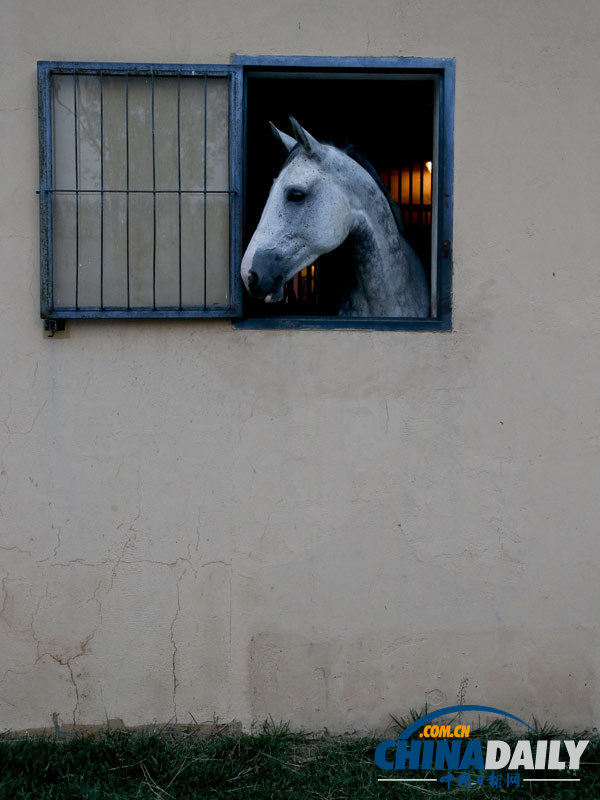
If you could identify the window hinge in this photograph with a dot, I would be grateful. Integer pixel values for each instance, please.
(53, 325)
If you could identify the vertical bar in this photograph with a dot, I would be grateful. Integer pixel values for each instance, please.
(205, 195)
(394, 185)
(179, 173)
(127, 179)
(237, 182)
(101, 191)
(76, 193)
(421, 209)
(435, 201)
(45, 138)
(153, 205)
(446, 186)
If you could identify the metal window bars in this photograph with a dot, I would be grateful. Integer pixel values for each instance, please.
(113, 137)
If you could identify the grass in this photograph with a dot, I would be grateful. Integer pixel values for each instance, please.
(272, 763)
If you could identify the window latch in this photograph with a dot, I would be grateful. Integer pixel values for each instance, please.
(53, 325)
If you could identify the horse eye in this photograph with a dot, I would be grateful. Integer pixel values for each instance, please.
(295, 195)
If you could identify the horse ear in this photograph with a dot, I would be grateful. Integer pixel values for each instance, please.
(287, 141)
(308, 142)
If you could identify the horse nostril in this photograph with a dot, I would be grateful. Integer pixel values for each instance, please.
(252, 279)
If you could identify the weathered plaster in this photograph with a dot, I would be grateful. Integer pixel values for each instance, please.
(323, 527)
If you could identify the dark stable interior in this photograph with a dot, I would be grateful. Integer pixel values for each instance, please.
(390, 122)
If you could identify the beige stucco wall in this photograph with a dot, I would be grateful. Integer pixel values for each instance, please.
(325, 527)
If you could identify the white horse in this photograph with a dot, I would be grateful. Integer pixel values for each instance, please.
(321, 199)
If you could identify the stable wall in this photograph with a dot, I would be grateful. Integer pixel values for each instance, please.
(323, 527)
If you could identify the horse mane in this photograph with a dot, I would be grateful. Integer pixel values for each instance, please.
(355, 155)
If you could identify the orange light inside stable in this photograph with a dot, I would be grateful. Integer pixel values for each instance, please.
(304, 282)
(411, 187)
(427, 187)
(394, 185)
(405, 194)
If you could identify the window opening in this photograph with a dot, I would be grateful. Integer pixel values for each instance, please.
(389, 121)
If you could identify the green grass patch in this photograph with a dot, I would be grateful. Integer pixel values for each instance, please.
(273, 763)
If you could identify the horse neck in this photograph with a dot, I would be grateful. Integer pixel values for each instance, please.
(389, 279)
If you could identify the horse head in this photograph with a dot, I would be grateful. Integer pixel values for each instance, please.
(307, 214)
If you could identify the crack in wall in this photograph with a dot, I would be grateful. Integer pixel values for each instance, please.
(132, 561)
(18, 549)
(56, 547)
(42, 650)
(132, 531)
(31, 427)
(67, 653)
(7, 702)
(3, 610)
(174, 644)
(9, 671)
(67, 663)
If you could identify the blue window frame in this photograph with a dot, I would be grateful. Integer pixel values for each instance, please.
(244, 69)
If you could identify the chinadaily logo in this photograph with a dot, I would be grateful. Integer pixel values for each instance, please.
(431, 743)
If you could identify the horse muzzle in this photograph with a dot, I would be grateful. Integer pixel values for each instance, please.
(264, 279)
